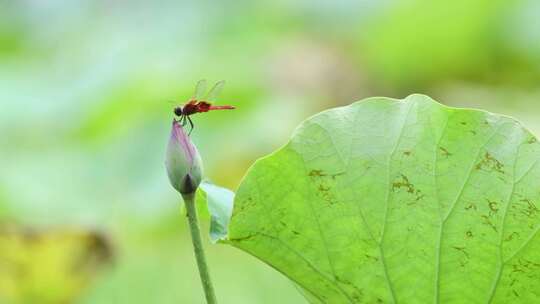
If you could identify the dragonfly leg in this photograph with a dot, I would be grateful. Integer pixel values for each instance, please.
(191, 124)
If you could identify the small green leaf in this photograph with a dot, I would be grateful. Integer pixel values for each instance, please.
(215, 203)
(387, 201)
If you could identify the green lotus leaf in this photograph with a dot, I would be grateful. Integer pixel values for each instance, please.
(407, 201)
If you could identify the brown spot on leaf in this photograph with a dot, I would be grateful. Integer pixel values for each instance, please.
(246, 204)
(316, 173)
(523, 265)
(445, 152)
(323, 188)
(404, 183)
(530, 210)
(462, 250)
(337, 174)
(374, 258)
(471, 206)
(493, 206)
(357, 293)
(324, 192)
(490, 163)
(511, 236)
(419, 196)
(487, 221)
(321, 174)
(323, 184)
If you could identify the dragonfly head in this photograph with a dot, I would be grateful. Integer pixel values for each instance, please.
(178, 111)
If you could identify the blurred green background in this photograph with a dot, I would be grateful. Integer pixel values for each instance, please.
(85, 119)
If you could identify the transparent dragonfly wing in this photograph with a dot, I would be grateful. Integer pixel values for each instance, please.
(200, 89)
(214, 92)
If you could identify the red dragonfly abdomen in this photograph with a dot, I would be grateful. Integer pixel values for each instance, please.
(204, 106)
(221, 108)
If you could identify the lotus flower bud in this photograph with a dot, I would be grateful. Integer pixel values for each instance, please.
(183, 162)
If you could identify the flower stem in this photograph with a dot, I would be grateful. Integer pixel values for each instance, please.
(189, 201)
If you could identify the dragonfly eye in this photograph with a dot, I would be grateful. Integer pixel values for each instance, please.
(178, 111)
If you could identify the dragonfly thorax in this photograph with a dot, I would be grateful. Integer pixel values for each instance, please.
(190, 108)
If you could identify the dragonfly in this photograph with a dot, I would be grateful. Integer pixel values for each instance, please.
(198, 104)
